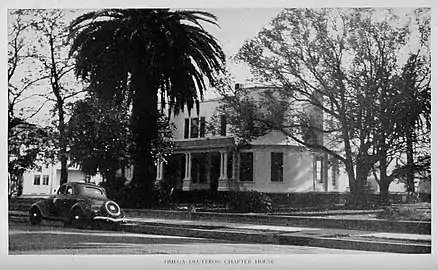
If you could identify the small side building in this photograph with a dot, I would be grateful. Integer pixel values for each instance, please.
(45, 180)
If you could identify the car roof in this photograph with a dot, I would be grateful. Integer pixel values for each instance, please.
(84, 184)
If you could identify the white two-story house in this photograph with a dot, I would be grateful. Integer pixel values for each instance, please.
(272, 163)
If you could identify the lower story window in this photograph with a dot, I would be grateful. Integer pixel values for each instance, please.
(246, 167)
(319, 170)
(276, 167)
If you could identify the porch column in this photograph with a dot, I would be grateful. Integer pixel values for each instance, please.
(159, 176)
(325, 177)
(187, 181)
(224, 182)
(334, 176)
(233, 181)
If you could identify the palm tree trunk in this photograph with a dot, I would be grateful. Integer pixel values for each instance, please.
(145, 130)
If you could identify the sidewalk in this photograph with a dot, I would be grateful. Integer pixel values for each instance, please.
(271, 234)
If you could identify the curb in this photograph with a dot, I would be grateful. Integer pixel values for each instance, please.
(276, 238)
(352, 244)
(281, 239)
(236, 236)
(413, 227)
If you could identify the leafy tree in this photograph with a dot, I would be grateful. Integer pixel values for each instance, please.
(410, 118)
(403, 114)
(42, 70)
(100, 141)
(99, 137)
(251, 112)
(332, 64)
(147, 53)
(52, 54)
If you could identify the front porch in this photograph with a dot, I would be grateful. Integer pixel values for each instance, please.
(200, 164)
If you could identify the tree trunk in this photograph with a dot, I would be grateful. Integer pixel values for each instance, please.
(384, 191)
(384, 180)
(362, 169)
(60, 106)
(410, 184)
(62, 144)
(356, 190)
(383, 166)
(145, 130)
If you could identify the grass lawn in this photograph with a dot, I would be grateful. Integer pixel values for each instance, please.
(414, 212)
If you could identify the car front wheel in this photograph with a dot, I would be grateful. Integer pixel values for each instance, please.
(35, 216)
(78, 219)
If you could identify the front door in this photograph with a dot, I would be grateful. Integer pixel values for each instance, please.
(215, 171)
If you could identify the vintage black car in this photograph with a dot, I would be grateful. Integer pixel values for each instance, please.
(77, 204)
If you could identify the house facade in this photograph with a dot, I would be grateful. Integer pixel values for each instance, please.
(45, 180)
(272, 163)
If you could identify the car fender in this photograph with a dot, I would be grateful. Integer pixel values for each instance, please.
(85, 208)
(42, 207)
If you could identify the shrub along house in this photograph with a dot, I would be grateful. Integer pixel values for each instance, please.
(272, 163)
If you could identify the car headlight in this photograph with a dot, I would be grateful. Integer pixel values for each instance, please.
(95, 208)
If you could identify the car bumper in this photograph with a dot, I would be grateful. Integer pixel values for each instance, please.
(115, 220)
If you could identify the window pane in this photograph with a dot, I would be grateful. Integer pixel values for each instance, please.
(202, 132)
(92, 192)
(319, 170)
(334, 171)
(194, 128)
(61, 190)
(223, 125)
(230, 165)
(276, 167)
(186, 128)
(246, 167)
(45, 180)
(36, 180)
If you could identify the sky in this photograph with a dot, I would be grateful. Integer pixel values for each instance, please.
(235, 26)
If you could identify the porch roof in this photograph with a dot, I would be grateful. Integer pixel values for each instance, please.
(205, 144)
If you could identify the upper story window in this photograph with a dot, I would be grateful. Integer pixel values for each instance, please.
(37, 180)
(223, 131)
(45, 180)
(194, 127)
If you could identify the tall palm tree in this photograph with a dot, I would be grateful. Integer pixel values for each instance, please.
(146, 54)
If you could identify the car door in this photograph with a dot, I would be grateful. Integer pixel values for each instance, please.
(65, 202)
(57, 202)
(72, 196)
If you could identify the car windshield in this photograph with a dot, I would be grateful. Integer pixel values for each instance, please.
(93, 192)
